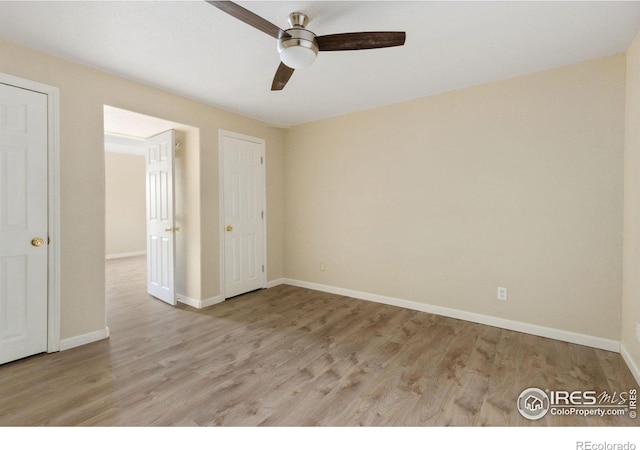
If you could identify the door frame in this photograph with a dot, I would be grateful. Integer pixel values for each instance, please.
(53, 201)
(221, 226)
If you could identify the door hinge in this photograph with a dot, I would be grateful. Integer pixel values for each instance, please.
(261, 160)
(262, 214)
(263, 267)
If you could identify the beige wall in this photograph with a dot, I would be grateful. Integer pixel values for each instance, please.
(83, 92)
(125, 194)
(441, 200)
(631, 289)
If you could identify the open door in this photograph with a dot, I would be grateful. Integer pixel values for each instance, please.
(160, 217)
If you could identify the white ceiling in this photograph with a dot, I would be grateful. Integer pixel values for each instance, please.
(196, 50)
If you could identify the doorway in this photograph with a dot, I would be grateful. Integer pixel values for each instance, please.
(127, 134)
(242, 213)
(29, 223)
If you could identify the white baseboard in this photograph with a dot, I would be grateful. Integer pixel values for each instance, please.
(83, 339)
(218, 298)
(274, 283)
(125, 255)
(631, 364)
(537, 330)
(200, 303)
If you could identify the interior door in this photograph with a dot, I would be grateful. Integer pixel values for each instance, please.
(23, 223)
(243, 198)
(160, 217)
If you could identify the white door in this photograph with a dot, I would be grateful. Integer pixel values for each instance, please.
(23, 223)
(243, 210)
(160, 217)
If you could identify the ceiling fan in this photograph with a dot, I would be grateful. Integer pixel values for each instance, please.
(298, 47)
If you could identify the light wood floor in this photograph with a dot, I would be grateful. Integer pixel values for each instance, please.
(290, 356)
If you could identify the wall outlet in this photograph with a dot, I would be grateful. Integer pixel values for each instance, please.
(502, 293)
(321, 267)
(638, 331)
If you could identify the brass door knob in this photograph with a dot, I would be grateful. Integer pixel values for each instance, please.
(168, 230)
(37, 242)
(229, 228)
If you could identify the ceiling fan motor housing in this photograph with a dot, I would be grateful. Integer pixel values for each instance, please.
(299, 49)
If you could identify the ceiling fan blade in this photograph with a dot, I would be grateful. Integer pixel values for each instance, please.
(249, 18)
(360, 40)
(283, 74)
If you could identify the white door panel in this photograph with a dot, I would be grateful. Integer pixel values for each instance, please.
(160, 217)
(23, 217)
(243, 198)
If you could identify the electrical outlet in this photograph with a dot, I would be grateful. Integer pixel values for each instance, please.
(638, 331)
(321, 267)
(502, 293)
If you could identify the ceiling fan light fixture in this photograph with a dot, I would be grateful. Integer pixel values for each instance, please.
(299, 49)
(298, 56)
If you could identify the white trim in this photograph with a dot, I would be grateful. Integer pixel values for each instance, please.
(631, 364)
(226, 133)
(125, 255)
(53, 155)
(200, 303)
(83, 339)
(265, 216)
(128, 145)
(537, 330)
(274, 283)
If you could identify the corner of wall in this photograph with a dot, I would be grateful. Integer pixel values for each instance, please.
(630, 345)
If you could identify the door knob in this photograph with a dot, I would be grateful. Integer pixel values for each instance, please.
(168, 230)
(37, 242)
(229, 228)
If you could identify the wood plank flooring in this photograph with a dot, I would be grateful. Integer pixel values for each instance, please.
(294, 357)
